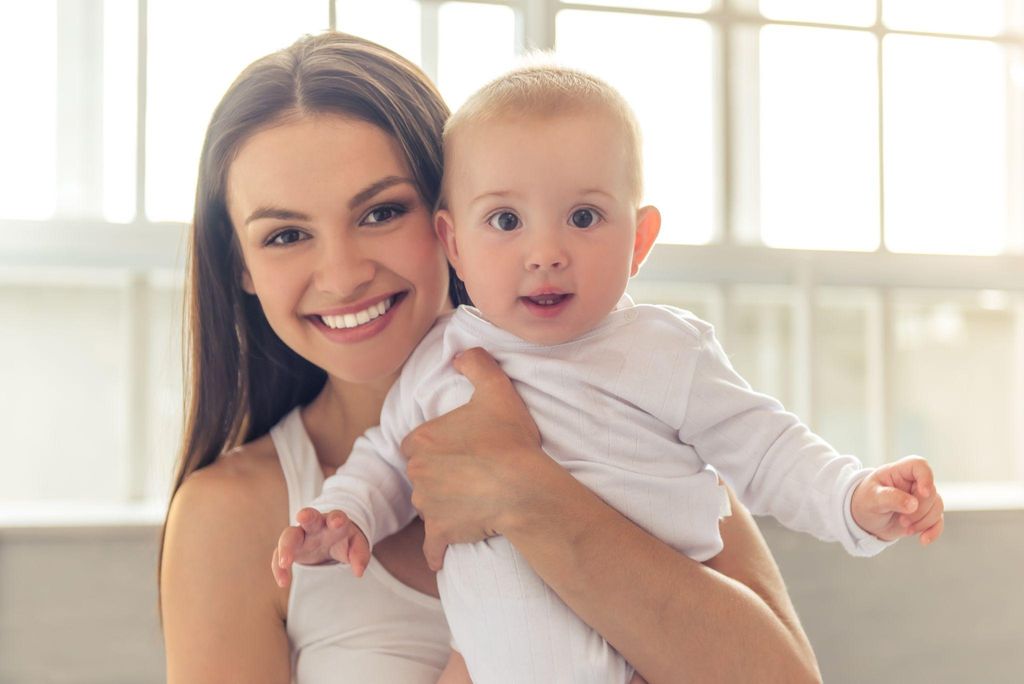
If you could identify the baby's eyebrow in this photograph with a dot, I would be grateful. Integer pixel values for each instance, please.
(377, 187)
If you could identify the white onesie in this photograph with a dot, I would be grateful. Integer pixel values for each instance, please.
(645, 410)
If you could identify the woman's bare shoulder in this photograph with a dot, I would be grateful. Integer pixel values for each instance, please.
(233, 509)
(245, 480)
(220, 534)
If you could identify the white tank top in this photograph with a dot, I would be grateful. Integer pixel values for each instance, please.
(344, 629)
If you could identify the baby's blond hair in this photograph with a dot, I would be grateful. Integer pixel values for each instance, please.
(542, 88)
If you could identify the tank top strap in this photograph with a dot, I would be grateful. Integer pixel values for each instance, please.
(302, 473)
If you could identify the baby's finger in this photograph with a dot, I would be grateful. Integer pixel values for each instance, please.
(434, 547)
(359, 555)
(336, 520)
(934, 532)
(282, 575)
(917, 469)
(288, 544)
(310, 519)
(893, 500)
(339, 550)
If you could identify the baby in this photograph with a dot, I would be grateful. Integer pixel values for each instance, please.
(540, 217)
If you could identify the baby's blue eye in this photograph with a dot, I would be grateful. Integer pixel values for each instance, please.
(504, 220)
(584, 218)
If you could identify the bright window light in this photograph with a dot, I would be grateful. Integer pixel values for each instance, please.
(673, 104)
(819, 139)
(196, 49)
(475, 44)
(852, 12)
(28, 118)
(667, 5)
(945, 145)
(120, 104)
(395, 24)
(977, 17)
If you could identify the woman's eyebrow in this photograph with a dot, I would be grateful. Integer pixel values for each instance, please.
(275, 213)
(379, 186)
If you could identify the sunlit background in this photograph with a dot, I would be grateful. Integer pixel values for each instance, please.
(841, 182)
(841, 195)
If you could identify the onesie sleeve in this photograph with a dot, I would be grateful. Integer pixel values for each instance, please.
(372, 487)
(776, 465)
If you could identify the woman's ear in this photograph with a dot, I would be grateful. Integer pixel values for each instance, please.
(444, 226)
(648, 224)
(247, 285)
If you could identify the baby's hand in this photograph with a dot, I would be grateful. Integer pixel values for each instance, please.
(319, 538)
(899, 499)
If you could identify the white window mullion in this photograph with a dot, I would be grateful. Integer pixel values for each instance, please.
(136, 356)
(1018, 396)
(876, 404)
(879, 32)
(430, 27)
(80, 108)
(803, 351)
(537, 19)
(140, 106)
(887, 366)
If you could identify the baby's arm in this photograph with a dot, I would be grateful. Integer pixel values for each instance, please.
(320, 538)
(899, 499)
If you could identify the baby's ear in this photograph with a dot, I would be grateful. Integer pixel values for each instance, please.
(648, 224)
(444, 226)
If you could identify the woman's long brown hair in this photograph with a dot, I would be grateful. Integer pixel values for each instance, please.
(241, 378)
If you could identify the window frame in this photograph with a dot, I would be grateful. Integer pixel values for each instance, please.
(142, 252)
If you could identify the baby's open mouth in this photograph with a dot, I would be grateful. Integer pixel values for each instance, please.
(548, 299)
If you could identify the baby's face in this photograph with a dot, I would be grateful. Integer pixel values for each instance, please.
(542, 221)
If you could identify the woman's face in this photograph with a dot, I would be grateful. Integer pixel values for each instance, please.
(337, 244)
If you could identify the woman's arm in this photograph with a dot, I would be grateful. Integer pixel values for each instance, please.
(222, 615)
(674, 619)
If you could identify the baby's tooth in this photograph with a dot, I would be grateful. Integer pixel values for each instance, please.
(382, 306)
(362, 317)
(350, 320)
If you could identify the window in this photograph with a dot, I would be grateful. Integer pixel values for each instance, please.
(840, 181)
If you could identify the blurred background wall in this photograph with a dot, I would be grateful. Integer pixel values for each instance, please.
(841, 191)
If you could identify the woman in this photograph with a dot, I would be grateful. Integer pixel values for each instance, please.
(313, 273)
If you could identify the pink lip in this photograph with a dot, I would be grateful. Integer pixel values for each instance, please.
(546, 291)
(550, 311)
(354, 308)
(362, 332)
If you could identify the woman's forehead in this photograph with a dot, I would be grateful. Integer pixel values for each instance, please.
(301, 157)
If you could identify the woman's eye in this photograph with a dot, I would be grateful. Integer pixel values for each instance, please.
(383, 214)
(584, 218)
(504, 221)
(285, 237)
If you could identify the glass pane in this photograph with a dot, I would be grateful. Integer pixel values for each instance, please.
(760, 344)
(853, 12)
(164, 410)
(476, 43)
(120, 107)
(28, 118)
(841, 376)
(63, 403)
(666, 5)
(819, 139)
(186, 84)
(394, 24)
(979, 17)
(953, 388)
(945, 145)
(668, 83)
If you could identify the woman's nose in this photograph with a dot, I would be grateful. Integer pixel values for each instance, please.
(344, 267)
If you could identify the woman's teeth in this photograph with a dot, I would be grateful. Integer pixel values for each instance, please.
(352, 320)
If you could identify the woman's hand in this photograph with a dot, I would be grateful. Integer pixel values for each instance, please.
(472, 468)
